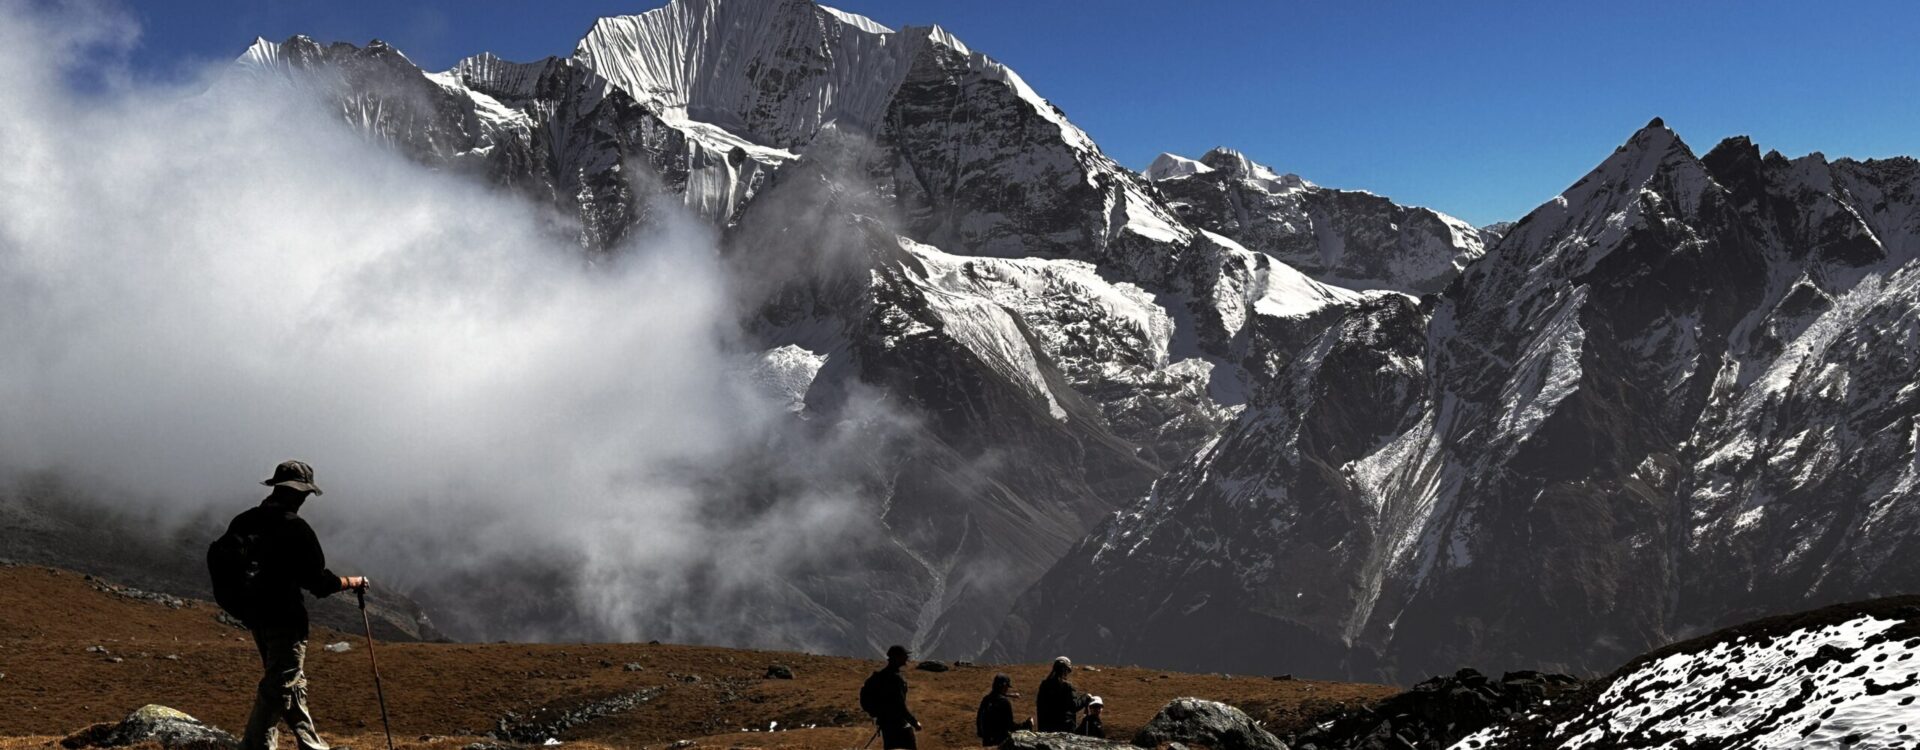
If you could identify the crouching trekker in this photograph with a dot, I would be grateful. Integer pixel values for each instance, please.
(994, 721)
(259, 567)
(884, 697)
(1057, 703)
(1091, 725)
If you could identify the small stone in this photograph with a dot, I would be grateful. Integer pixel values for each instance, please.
(634, 666)
(339, 648)
(115, 659)
(96, 649)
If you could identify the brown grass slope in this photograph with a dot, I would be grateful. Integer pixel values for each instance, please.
(443, 695)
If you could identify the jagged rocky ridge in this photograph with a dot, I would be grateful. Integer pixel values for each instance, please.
(1679, 394)
(1681, 379)
(1347, 237)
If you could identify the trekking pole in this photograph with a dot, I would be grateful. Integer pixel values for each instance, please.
(361, 594)
(876, 733)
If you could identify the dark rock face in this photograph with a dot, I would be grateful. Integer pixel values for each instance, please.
(157, 724)
(1193, 721)
(1436, 713)
(1678, 394)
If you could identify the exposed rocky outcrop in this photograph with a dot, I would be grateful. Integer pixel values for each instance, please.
(1025, 740)
(1205, 723)
(1436, 713)
(158, 724)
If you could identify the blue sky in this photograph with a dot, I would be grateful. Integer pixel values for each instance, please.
(1480, 109)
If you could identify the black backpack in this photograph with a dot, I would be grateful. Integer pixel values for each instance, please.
(869, 696)
(234, 563)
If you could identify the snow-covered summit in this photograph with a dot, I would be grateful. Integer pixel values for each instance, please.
(1168, 166)
(771, 72)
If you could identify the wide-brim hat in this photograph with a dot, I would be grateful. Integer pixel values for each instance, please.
(293, 475)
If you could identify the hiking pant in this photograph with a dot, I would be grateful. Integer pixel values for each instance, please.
(897, 738)
(283, 691)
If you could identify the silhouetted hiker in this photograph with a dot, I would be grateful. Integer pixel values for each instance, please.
(259, 567)
(884, 697)
(994, 721)
(1056, 703)
(1091, 725)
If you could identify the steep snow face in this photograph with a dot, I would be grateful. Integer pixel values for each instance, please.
(772, 72)
(1346, 238)
(768, 71)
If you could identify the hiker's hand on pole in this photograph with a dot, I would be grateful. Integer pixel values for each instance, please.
(356, 583)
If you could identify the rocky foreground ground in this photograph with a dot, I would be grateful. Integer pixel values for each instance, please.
(87, 663)
(77, 651)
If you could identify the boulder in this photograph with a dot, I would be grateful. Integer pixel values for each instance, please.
(779, 672)
(1026, 740)
(932, 666)
(1193, 721)
(167, 727)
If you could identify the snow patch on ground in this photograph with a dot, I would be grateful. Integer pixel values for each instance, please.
(1841, 685)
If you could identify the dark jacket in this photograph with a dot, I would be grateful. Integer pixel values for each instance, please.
(1091, 727)
(290, 560)
(889, 698)
(994, 722)
(1055, 704)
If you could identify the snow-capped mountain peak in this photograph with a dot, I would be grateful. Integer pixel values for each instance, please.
(1168, 166)
(1237, 164)
(1347, 238)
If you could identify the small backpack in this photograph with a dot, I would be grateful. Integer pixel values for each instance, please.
(233, 561)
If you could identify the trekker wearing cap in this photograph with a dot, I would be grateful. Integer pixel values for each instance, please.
(994, 721)
(1091, 726)
(288, 558)
(884, 697)
(1056, 704)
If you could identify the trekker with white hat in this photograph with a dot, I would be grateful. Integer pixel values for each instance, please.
(1091, 725)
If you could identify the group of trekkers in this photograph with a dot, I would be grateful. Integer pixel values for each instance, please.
(1057, 706)
(269, 554)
